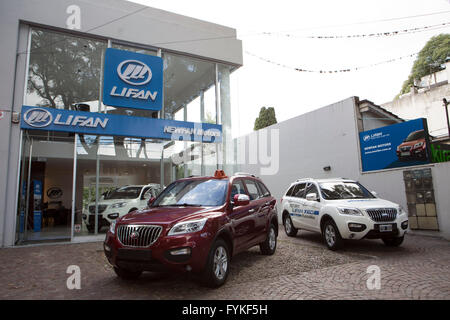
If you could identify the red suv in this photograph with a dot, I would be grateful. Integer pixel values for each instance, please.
(196, 224)
(413, 147)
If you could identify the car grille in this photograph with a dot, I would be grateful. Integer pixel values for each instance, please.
(138, 236)
(383, 214)
(101, 208)
(406, 148)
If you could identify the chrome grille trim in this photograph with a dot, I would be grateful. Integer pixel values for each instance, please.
(148, 234)
(382, 214)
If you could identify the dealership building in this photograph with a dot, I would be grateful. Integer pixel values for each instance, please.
(101, 95)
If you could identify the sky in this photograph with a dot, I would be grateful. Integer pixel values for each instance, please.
(292, 93)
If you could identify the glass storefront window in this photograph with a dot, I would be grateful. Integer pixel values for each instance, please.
(128, 174)
(45, 200)
(185, 80)
(64, 71)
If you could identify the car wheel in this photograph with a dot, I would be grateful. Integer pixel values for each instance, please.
(289, 228)
(127, 274)
(269, 245)
(218, 265)
(331, 235)
(393, 242)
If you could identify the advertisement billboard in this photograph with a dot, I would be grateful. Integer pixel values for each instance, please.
(398, 145)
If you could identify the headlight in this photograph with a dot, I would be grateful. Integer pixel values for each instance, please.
(350, 211)
(187, 227)
(119, 205)
(418, 145)
(112, 227)
(401, 210)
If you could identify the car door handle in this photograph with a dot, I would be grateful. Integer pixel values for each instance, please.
(251, 211)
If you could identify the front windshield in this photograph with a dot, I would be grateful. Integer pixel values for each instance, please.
(202, 193)
(123, 193)
(344, 190)
(416, 135)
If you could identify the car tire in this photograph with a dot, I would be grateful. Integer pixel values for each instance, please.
(127, 274)
(289, 228)
(269, 245)
(393, 242)
(331, 235)
(218, 265)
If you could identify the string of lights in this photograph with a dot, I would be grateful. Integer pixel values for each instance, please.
(367, 35)
(249, 34)
(329, 71)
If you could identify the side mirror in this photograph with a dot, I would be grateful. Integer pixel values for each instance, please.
(311, 197)
(241, 200)
(150, 201)
(374, 194)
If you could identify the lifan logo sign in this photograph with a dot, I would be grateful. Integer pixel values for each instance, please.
(93, 123)
(132, 80)
(43, 118)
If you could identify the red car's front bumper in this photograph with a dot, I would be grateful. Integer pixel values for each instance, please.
(158, 257)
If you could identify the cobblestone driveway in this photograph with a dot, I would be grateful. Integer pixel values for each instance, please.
(302, 268)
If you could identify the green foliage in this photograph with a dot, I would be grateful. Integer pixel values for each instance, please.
(209, 118)
(266, 118)
(429, 60)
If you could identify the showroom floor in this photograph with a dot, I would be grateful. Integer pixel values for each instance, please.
(302, 268)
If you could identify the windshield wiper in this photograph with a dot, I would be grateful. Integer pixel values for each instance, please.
(179, 205)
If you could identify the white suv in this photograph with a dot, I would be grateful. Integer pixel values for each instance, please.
(119, 202)
(341, 209)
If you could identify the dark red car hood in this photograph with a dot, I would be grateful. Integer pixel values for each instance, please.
(163, 215)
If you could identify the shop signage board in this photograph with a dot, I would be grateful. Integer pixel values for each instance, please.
(37, 205)
(398, 145)
(40, 118)
(132, 80)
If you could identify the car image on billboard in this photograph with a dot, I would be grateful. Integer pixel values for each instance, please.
(413, 147)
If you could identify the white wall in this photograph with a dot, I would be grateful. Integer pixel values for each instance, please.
(310, 142)
(427, 103)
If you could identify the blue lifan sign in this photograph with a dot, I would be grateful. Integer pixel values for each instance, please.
(40, 118)
(398, 145)
(132, 80)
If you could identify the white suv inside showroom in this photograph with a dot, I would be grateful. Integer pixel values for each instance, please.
(118, 202)
(341, 209)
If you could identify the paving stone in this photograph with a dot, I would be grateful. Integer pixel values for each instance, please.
(302, 268)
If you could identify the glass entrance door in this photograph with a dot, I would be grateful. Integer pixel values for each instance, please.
(46, 186)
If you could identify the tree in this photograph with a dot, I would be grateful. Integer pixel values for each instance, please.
(430, 60)
(266, 118)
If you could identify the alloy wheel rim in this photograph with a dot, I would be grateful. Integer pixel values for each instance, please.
(220, 262)
(330, 235)
(272, 239)
(287, 225)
